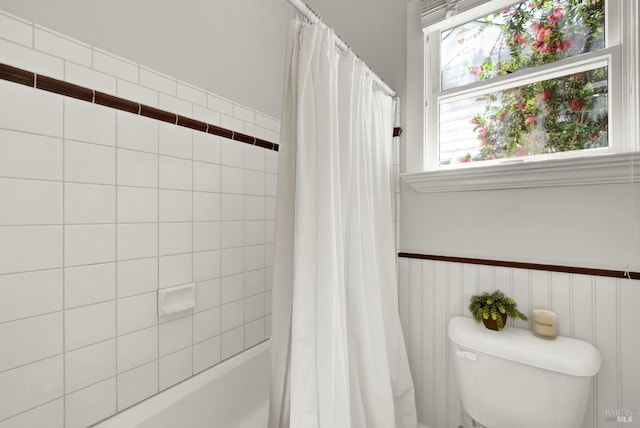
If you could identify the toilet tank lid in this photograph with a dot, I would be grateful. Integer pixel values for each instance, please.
(563, 355)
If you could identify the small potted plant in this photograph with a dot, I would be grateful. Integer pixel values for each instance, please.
(492, 309)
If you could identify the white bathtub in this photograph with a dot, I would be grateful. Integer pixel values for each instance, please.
(233, 394)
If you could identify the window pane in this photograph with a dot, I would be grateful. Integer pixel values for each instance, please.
(525, 35)
(550, 116)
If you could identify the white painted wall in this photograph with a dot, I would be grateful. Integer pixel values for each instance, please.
(234, 48)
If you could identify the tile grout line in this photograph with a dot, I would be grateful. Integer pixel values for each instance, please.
(64, 262)
(116, 258)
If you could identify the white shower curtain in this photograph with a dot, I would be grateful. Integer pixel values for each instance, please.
(338, 354)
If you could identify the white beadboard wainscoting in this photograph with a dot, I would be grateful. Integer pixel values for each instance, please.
(603, 311)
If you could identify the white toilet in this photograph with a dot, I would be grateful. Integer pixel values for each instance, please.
(513, 379)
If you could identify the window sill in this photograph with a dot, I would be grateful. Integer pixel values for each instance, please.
(603, 169)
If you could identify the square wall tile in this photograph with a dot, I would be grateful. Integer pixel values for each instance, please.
(206, 265)
(21, 104)
(206, 147)
(254, 208)
(232, 342)
(232, 315)
(176, 141)
(90, 405)
(254, 233)
(254, 157)
(232, 261)
(137, 132)
(90, 123)
(270, 208)
(137, 277)
(175, 270)
(253, 307)
(176, 367)
(254, 182)
(137, 240)
(89, 365)
(27, 294)
(254, 282)
(52, 412)
(87, 244)
(269, 231)
(137, 384)
(231, 288)
(175, 173)
(232, 207)
(206, 236)
(254, 257)
(137, 348)
(137, 169)
(137, 312)
(137, 205)
(89, 324)
(175, 335)
(29, 386)
(30, 340)
(175, 238)
(89, 203)
(175, 205)
(232, 153)
(271, 161)
(86, 285)
(26, 202)
(207, 294)
(206, 324)
(206, 354)
(232, 234)
(232, 180)
(270, 184)
(30, 156)
(206, 206)
(30, 248)
(206, 177)
(254, 333)
(89, 163)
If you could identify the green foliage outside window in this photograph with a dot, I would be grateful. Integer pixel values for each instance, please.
(562, 114)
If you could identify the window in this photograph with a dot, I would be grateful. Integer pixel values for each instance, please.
(538, 80)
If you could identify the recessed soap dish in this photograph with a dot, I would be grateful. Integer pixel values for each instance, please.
(176, 299)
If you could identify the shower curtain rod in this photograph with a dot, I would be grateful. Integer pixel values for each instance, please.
(315, 19)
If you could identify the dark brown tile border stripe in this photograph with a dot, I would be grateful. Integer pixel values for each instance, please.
(522, 265)
(49, 84)
(397, 131)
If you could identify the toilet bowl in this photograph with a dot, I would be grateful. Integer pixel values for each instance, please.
(511, 378)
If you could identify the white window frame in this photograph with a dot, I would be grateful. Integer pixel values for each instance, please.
(566, 168)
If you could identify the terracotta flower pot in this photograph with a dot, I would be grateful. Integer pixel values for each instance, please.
(491, 324)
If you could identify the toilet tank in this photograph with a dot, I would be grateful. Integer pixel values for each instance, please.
(512, 378)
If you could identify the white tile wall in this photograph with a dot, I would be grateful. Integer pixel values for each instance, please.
(102, 208)
(591, 308)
